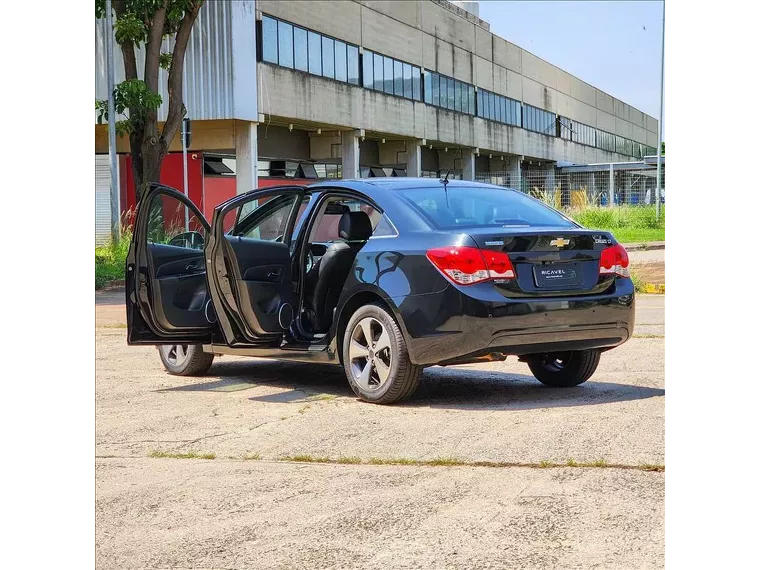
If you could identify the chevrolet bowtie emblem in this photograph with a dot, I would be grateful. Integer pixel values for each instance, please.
(559, 242)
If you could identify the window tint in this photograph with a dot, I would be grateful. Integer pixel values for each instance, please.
(171, 222)
(315, 53)
(326, 228)
(301, 49)
(264, 219)
(378, 63)
(479, 207)
(285, 43)
(328, 58)
(353, 65)
(388, 75)
(269, 39)
(341, 70)
(416, 83)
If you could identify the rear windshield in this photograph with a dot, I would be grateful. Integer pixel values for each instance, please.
(481, 207)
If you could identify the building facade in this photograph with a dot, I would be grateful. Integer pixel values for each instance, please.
(361, 88)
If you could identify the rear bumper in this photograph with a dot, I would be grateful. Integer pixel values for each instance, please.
(459, 323)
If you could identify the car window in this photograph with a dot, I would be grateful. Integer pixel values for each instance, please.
(461, 206)
(326, 228)
(265, 218)
(171, 222)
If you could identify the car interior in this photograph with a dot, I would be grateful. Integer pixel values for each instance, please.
(258, 262)
(341, 229)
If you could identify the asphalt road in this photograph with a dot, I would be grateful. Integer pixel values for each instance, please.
(232, 512)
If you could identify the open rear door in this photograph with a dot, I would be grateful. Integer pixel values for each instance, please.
(250, 267)
(168, 300)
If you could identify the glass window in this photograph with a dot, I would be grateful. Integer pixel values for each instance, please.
(471, 95)
(503, 106)
(407, 81)
(353, 65)
(450, 87)
(285, 42)
(416, 84)
(378, 62)
(388, 75)
(301, 49)
(428, 88)
(328, 57)
(492, 106)
(435, 99)
(367, 60)
(172, 222)
(315, 54)
(458, 96)
(398, 78)
(269, 39)
(480, 103)
(480, 207)
(266, 220)
(341, 70)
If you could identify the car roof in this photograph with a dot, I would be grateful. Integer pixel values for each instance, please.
(398, 183)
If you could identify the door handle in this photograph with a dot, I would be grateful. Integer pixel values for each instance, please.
(193, 267)
(275, 273)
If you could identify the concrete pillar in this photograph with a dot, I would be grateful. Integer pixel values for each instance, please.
(414, 158)
(514, 168)
(350, 153)
(246, 156)
(468, 165)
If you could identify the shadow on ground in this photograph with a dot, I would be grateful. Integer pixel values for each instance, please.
(455, 388)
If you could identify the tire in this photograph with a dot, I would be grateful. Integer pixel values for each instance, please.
(564, 369)
(185, 359)
(378, 371)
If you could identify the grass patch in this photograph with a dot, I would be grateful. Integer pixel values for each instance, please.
(190, 455)
(349, 460)
(649, 335)
(302, 409)
(113, 326)
(455, 462)
(307, 459)
(251, 457)
(111, 260)
(629, 224)
(321, 398)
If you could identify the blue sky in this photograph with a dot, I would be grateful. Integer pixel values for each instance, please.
(615, 45)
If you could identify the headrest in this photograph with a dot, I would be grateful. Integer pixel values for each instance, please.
(355, 226)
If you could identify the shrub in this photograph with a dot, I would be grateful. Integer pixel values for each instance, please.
(110, 260)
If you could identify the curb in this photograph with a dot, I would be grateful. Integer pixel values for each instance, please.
(657, 288)
(643, 246)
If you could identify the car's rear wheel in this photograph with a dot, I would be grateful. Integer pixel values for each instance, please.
(564, 369)
(376, 359)
(185, 359)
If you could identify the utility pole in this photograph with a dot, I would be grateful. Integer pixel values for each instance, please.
(662, 91)
(115, 206)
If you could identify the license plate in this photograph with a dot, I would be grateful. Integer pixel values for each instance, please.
(559, 275)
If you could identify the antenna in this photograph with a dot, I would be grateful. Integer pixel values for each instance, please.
(445, 180)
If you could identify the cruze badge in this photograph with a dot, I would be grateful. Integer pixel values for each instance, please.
(559, 242)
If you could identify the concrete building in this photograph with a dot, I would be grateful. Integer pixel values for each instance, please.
(362, 88)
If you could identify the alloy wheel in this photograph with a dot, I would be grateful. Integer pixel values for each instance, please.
(175, 354)
(370, 354)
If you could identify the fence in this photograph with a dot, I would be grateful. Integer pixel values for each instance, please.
(565, 189)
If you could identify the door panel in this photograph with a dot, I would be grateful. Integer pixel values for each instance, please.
(166, 287)
(249, 249)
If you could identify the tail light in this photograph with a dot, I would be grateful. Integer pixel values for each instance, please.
(614, 261)
(468, 265)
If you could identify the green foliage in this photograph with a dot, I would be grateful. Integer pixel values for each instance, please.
(134, 94)
(111, 260)
(662, 148)
(165, 60)
(129, 28)
(629, 224)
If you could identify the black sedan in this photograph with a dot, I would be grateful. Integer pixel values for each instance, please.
(381, 276)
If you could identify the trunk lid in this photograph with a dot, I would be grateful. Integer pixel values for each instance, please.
(548, 262)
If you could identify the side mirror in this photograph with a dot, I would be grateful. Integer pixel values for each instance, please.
(190, 240)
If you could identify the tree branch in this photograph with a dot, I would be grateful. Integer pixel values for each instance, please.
(176, 103)
(153, 48)
(127, 48)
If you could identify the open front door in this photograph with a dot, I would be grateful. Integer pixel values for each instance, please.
(250, 268)
(167, 293)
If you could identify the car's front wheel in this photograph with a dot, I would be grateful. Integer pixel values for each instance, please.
(185, 359)
(376, 359)
(564, 369)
